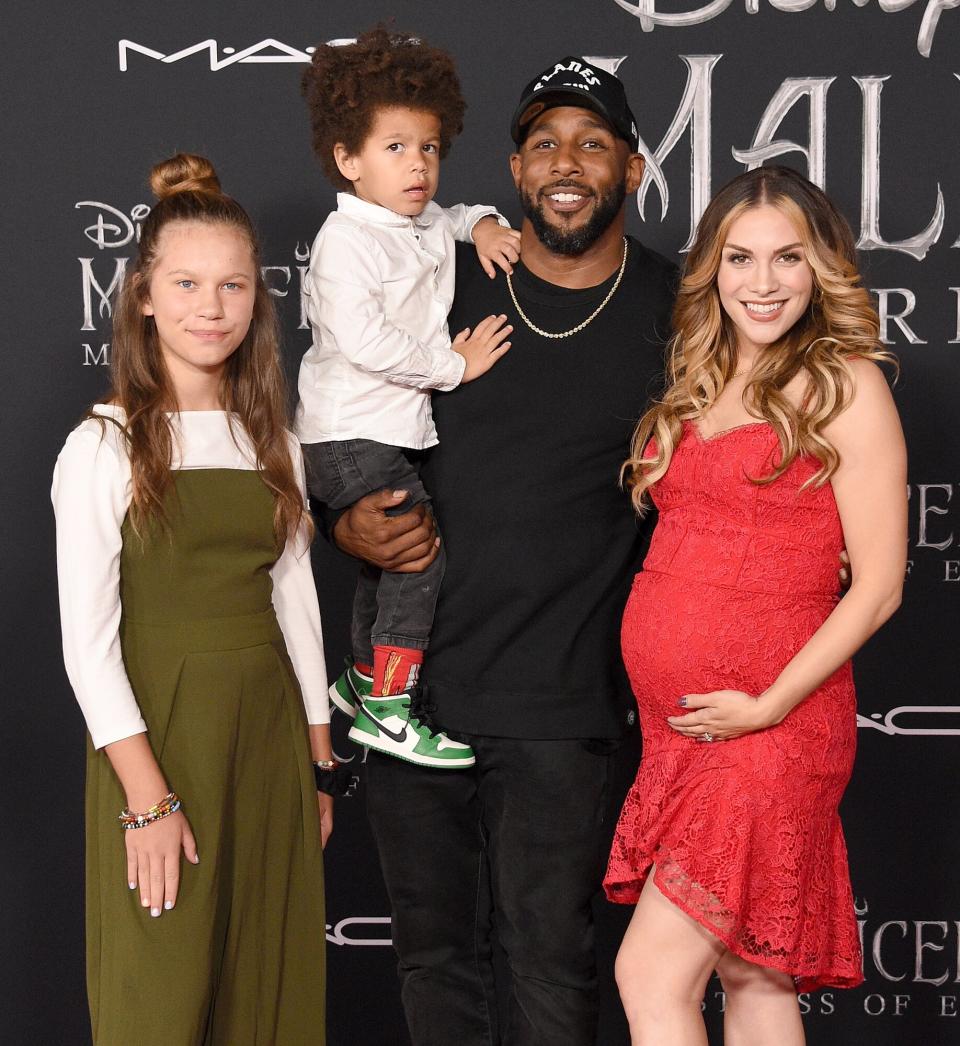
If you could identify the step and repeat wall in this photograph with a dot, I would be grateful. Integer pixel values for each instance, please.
(862, 95)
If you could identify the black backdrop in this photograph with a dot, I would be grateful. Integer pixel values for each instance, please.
(863, 95)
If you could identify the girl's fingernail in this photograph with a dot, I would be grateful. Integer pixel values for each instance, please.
(168, 905)
(132, 886)
(682, 702)
(399, 493)
(155, 912)
(145, 901)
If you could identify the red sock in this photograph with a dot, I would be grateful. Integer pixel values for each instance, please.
(363, 668)
(395, 669)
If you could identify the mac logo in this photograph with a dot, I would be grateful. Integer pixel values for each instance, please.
(264, 52)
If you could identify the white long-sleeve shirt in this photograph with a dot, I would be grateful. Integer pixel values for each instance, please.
(378, 291)
(91, 494)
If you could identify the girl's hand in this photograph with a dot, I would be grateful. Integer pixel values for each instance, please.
(326, 817)
(723, 714)
(153, 860)
(496, 245)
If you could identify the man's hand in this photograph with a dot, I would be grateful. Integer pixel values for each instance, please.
(496, 245)
(403, 544)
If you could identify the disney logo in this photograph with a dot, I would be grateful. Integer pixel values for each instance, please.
(646, 11)
(112, 227)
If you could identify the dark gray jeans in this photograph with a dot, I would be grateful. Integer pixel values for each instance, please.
(388, 609)
(520, 840)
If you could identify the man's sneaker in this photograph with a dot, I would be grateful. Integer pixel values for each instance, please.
(349, 691)
(385, 724)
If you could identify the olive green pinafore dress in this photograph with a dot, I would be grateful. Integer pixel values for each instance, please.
(240, 960)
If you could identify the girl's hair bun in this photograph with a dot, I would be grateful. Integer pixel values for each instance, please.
(184, 172)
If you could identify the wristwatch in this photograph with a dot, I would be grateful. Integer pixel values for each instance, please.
(332, 777)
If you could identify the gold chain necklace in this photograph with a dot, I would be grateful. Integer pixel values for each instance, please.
(579, 327)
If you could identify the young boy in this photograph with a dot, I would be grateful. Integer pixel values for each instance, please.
(380, 284)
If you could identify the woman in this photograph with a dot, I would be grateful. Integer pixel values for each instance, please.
(189, 615)
(776, 444)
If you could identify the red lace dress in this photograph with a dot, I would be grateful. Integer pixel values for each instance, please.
(744, 834)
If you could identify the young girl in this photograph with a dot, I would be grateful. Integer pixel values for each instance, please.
(190, 630)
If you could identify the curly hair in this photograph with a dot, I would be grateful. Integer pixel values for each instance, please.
(345, 86)
(839, 324)
(253, 386)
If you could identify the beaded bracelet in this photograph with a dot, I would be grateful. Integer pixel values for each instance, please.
(168, 805)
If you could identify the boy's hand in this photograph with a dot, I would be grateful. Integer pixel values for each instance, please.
(496, 245)
(483, 347)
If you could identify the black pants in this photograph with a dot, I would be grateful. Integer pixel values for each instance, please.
(521, 839)
(388, 609)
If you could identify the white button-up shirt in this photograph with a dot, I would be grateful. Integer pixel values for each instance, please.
(377, 292)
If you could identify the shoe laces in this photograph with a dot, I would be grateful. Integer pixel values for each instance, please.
(422, 711)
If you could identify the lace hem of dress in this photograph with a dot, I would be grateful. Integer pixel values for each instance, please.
(707, 909)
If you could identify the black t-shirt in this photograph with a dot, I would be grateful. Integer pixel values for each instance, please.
(541, 543)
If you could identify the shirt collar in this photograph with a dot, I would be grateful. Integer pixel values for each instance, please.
(353, 206)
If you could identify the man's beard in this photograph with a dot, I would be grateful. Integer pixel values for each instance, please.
(572, 242)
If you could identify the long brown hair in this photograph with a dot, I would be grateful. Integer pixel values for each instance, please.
(253, 388)
(839, 324)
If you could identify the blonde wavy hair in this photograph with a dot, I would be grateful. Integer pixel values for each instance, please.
(839, 324)
(253, 386)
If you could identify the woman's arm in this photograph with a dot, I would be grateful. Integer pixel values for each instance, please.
(298, 614)
(91, 494)
(870, 490)
(153, 852)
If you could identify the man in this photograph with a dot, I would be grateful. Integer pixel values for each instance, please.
(541, 547)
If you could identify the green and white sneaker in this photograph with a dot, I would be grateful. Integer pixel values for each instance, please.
(385, 724)
(350, 690)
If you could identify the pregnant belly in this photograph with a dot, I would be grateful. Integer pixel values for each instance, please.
(682, 637)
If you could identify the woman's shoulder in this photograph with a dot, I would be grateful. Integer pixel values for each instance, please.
(869, 414)
(863, 379)
(102, 430)
(866, 377)
(94, 458)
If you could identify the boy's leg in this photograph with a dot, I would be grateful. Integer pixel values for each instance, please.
(404, 617)
(405, 603)
(339, 474)
(387, 722)
(364, 615)
(401, 631)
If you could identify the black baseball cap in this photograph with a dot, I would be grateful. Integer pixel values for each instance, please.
(574, 81)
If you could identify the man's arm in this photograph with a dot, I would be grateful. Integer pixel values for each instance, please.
(403, 544)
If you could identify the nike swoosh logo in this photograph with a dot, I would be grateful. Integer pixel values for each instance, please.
(353, 690)
(394, 735)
